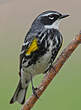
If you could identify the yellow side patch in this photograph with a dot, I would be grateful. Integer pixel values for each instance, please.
(33, 47)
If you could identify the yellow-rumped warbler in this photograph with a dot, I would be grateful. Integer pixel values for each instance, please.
(40, 48)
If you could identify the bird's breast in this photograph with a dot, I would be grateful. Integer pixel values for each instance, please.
(42, 63)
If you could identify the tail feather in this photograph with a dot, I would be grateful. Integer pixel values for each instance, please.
(19, 94)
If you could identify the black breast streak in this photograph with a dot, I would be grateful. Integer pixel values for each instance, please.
(56, 47)
(35, 56)
(42, 50)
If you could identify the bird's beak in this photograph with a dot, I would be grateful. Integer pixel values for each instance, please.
(63, 16)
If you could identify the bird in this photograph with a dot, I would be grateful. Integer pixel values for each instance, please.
(39, 50)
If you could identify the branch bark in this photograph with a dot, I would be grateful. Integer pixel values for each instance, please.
(56, 67)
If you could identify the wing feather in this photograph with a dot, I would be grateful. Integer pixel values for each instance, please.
(33, 47)
(29, 46)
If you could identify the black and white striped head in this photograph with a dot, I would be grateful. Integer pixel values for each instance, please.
(50, 19)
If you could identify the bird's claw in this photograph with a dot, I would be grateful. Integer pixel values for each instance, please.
(34, 92)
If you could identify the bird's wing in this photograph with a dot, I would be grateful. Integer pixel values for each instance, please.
(30, 45)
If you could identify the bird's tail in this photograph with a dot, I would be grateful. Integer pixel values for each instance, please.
(19, 94)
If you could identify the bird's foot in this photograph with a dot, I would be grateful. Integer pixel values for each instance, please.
(48, 69)
(34, 92)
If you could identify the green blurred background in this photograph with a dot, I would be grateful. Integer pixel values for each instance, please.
(16, 16)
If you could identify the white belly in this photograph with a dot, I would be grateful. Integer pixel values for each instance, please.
(38, 68)
(35, 69)
(40, 65)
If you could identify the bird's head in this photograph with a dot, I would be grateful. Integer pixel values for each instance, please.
(50, 19)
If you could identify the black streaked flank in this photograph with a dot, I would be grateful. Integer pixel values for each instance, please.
(49, 34)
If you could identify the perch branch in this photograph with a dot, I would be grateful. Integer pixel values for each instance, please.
(56, 67)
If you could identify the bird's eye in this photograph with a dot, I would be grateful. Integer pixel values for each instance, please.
(51, 17)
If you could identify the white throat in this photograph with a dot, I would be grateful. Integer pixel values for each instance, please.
(55, 25)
